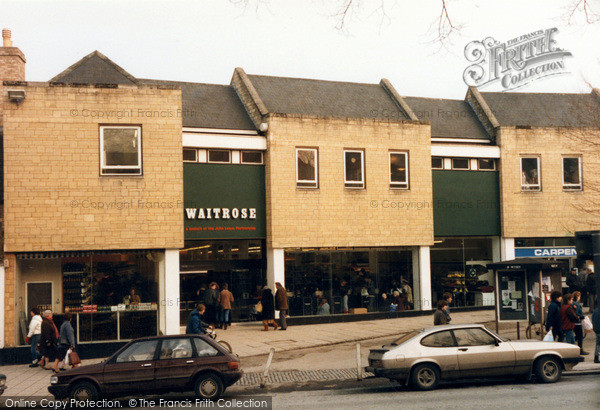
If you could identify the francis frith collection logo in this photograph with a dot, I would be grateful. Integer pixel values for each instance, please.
(515, 63)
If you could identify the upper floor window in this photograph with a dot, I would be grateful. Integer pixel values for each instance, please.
(399, 170)
(437, 162)
(190, 155)
(572, 173)
(120, 150)
(460, 163)
(354, 169)
(486, 164)
(221, 156)
(252, 157)
(307, 168)
(530, 174)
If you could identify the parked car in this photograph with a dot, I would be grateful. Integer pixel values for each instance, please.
(154, 365)
(2, 383)
(422, 358)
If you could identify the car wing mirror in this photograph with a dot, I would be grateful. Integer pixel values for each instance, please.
(496, 342)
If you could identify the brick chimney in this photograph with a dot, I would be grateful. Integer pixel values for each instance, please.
(12, 65)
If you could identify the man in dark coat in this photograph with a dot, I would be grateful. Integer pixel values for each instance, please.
(573, 281)
(195, 324)
(268, 309)
(439, 317)
(281, 304)
(553, 319)
(596, 324)
(590, 285)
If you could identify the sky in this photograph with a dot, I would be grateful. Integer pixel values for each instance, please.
(203, 41)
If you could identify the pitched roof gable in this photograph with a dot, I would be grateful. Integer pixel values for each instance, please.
(95, 68)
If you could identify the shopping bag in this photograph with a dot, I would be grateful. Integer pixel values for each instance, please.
(259, 307)
(549, 337)
(587, 325)
(74, 359)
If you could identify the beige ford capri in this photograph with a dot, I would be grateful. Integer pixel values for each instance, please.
(424, 357)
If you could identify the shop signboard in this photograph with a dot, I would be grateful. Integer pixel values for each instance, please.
(546, 252)
(224, 201)
(511, 296)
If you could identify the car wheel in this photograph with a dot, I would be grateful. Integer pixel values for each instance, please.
(548, 370)
(425, 377)
(84, 391)
(209, 386)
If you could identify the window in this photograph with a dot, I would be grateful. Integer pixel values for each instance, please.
(138, 352)
(252, 157)
(530, 174)
(354, 172)
(437, 162)
(439, 339)
(307, 168)
(486, 164)
(399, 170)
(460, 163)
(190, 155)
(473, 337)
(176, 349)
(572, 173)
(203, 349)
(121, 150)
(220, 156)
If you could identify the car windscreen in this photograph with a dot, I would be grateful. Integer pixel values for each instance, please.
(405, 337)
(502, 338)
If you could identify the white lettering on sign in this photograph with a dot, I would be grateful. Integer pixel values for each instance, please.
(555, 252)
(220, 213)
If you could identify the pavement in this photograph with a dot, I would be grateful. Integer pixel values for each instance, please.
(303, 354)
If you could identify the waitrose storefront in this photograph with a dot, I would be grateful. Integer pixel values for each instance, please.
(224, 233)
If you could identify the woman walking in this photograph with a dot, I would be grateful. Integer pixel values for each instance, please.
(568, 318)
(578, 326)
(66, 339)
(226, 299)
(49, 340)
(34, 335)
(268, 309)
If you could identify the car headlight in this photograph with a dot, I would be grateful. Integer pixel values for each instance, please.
(53, 379)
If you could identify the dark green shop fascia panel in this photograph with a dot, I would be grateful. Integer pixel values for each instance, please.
(239, 189)
(466, 203)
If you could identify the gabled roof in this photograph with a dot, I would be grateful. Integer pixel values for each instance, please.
(95, 68)
(284, 95)
(448, 118)
(209, 105)
(544, 109)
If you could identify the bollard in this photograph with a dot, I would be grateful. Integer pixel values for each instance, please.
(358, 365)
(263, 382)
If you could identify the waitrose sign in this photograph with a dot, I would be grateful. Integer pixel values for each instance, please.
(224, 201)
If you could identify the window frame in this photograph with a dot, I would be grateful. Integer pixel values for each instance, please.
(104, 169)
(486, 169)
(196, 352)
(209, 150)
(494, 339)
(355, 184)
(435, 333)
(395, 184)
(262, 157)
(441, 159)
(531, 187)
(307, 183)
(195, 152)
(120, 352)
(468, 168)
(163, 341)
(572, 187)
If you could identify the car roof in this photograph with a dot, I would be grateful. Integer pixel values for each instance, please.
(450, 327)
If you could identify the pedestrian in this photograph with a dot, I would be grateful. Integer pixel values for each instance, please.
(439, 316)
(195, 325)
(268, 309)
(590, 284)
(225, 299)
(596, 324)
(572, 281)
(345, 290)
(33, 337)
(582, 277)
(407, 290)
(323, 308)
(553, 322)
(385, 303)
(49, 340)
(281, 304)
(66, 339)
(211, 301)
(578, 326)
(201, 293)
(568, 318)
(447, 297)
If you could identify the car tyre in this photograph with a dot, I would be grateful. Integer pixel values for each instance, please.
(84, 391)
(548, 369)
(425, 377)
(209, 386)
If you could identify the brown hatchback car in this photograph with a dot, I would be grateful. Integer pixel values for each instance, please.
(151, 366)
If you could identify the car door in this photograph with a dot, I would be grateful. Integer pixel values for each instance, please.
(480, 354)
(132, 370)
(441, 347)
(175, 365)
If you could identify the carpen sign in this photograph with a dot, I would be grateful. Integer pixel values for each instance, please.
(514, 63)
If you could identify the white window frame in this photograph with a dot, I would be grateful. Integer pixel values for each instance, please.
(218, 162)
(262, 157)
(440, 158)
(396, 184)
(531, 187)
(355, 184)
(308, 183)
(191, 149)
(482, 159)
(572, 187)
(468, 168)
(106, 169)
